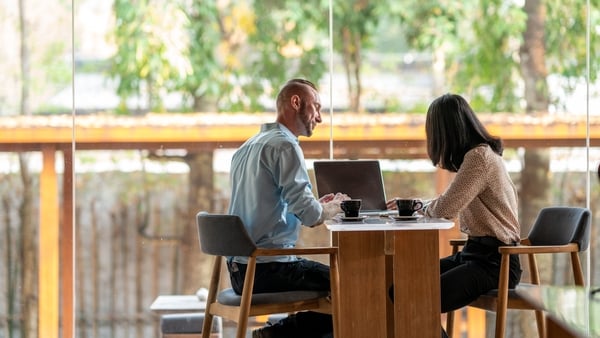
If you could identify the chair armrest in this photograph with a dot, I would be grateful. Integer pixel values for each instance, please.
(296, 251)
(538, 249)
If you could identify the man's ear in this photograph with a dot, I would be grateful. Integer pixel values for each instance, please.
(295, 101)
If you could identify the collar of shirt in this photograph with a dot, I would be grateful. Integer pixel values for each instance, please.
(276, 125)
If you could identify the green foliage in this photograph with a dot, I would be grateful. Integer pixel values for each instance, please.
(204, 76)
(356, 19)
(489, 69)
(480, 41)
(230, 58)
(141, 64)
(286, 42)
(566, 40)
(235, 54)
(57, 70)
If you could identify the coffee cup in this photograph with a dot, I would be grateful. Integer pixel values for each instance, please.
(351, 207)
(408, 206)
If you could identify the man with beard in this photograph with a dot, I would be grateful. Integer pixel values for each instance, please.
(271, 193)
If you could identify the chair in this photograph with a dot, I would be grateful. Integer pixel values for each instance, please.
(556, 230)
(188, 325)
(225, 235)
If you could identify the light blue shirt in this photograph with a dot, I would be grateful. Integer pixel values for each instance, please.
(271, 190)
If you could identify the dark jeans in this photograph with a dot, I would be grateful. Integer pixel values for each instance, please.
(289, 276)
(474, 271)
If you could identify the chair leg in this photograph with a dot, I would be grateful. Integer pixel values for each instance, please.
(207, 325)
(246, 297)
(212, 296)
(500, 322)
(450, 323)
(541, 323)
(502, 299)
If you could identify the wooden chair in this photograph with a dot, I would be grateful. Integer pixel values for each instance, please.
(225, 235)
(556, 230)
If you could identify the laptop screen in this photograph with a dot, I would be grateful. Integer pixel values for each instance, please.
(356, 178)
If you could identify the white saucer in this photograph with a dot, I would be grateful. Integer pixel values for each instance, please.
(352, 219)
(405, 218)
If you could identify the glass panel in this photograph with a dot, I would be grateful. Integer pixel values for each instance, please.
(521, 66)
(165, 91)
(35, 67)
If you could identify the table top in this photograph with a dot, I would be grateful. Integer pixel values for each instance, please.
(384, 223)
(177, 303)
(573, 307)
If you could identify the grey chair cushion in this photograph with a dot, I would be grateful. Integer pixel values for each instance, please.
(229, 297)
(187, 323)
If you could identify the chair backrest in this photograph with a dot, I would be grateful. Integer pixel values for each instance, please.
(223, 235)
(562, 225)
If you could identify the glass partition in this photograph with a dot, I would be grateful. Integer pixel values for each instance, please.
(119, 118)
(36, 67)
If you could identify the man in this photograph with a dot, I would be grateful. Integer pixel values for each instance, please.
(271, 193)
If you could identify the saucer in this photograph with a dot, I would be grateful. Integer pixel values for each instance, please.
(404, 218)
(352, 219)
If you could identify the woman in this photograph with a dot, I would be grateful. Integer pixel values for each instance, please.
(481, 197)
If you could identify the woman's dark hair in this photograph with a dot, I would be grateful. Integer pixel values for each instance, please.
(453, 129)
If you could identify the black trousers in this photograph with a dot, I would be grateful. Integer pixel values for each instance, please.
(290, 276)
(474, 271)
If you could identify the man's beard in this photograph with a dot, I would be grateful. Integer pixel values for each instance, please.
(304, 120)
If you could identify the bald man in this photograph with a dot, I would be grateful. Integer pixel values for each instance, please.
(272, 194)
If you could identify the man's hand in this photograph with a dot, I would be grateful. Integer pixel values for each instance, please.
(326, 198)
(331, 205)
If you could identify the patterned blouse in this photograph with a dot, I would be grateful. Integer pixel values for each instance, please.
(482, 196)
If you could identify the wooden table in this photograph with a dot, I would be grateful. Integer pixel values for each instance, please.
(366, 274)
(571, 311)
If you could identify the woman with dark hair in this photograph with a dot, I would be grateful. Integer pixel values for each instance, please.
(482, 198)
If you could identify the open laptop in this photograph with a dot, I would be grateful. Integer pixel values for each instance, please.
(356, 178)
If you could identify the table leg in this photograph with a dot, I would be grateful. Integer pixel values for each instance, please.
(417, 284)
(362, 284)
(555, 330)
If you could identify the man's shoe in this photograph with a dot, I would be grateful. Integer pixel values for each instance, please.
(264, 332)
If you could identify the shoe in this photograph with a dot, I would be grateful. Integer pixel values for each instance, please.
(264, 332)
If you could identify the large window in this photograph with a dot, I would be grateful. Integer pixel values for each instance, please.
(119, 118)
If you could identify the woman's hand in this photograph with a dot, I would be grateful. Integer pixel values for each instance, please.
(391, 204)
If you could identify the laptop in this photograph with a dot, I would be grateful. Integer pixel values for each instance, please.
(356, 178)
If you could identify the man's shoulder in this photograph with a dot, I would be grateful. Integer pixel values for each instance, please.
(276, 138)
(267, 142)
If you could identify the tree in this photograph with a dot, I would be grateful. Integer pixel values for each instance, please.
(354, 23)
(27, 230)
(203, 79)
(226, 57)
(141, 64)
(283, 42)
